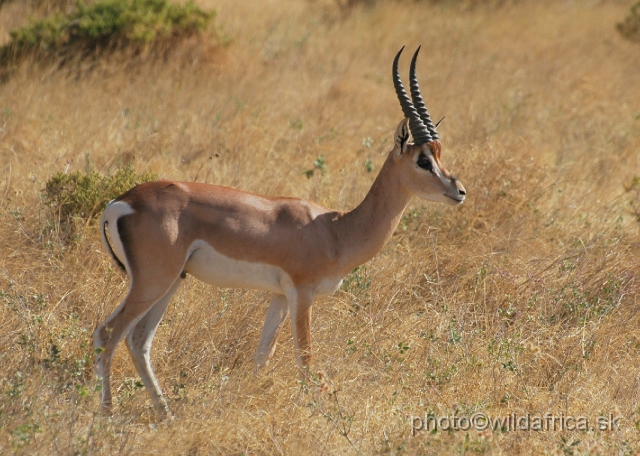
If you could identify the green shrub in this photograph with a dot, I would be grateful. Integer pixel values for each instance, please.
(107, 25)
(82, 196)
(630, 28)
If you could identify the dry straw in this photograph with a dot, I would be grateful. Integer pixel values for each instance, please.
(523, 300)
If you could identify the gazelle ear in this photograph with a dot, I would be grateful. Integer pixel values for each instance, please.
(401, 136)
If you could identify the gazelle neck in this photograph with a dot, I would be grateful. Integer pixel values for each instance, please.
(365, 230)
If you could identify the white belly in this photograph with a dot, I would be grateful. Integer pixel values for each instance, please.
(212, 267)
(328, 286)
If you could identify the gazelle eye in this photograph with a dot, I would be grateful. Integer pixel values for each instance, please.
(424, 163)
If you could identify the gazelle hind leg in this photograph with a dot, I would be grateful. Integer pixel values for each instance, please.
(139, 342)
(276, 314)
(106, 338)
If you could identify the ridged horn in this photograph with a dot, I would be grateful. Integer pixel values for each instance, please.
(418, 102)
(418, 129)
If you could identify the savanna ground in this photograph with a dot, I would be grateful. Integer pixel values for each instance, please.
(522, 300)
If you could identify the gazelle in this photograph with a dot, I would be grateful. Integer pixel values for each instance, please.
(297, 250)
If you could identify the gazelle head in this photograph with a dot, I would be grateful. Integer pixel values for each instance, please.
(424, 175)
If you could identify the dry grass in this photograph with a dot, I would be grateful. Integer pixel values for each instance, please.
(523, 300)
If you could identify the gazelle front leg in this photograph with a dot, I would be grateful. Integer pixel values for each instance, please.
(300, 309)
(276, 314)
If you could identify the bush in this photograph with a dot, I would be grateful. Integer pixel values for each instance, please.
(107, 25)
(82, 196)
(630, 28)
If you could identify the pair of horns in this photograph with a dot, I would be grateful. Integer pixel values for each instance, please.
(420, 124)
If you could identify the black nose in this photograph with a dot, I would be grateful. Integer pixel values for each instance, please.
(462, 192)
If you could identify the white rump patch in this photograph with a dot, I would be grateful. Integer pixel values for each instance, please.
(115, 210)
